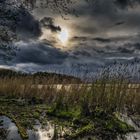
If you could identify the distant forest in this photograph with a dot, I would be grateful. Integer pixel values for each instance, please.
(40, 77)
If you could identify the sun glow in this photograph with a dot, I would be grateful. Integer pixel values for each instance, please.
(63, 36)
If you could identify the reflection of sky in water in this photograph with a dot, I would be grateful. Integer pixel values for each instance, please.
(131, 136)
(45, 133)
(37, 134)
(11, 127)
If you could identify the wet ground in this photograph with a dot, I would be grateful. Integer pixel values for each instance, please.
(38, 133)
(47, 132)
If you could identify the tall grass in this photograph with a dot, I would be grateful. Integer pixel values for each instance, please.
(107, 94)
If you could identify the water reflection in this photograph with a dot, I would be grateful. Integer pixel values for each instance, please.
(47, 132)
(11, 128)
(131, 136)
(41, 133)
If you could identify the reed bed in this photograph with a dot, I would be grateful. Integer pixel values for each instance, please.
(109, 95)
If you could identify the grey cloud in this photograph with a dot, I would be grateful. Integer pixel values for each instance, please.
(38, 53)
(119, 23)
(85, 38)
(125, 50)
(27, 26)
(125, 3)
(16, 23)
(48, 23)
(18, 19)
(105, 17)
(79, 38)
(137, 46)
(102, 48)
(83, 53)
(107, 34)
(104, 40)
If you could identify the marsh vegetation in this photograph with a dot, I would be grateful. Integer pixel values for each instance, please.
(85, 109)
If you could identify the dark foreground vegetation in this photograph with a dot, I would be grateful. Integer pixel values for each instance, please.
(86, 109)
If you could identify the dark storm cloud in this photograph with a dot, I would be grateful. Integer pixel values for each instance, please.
(85, 38)
(107, 16)
(82, 53)
(100, 9)
(104, 40)
(137, 46)
(79, 38)
(48, 23)
(108, 32)
(27, 25)
(18, 19)
(119, 23)
(38, 53)
(120, 48)
(125, 50)
(125, 3)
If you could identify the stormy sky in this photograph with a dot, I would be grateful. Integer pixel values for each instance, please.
(98, 34)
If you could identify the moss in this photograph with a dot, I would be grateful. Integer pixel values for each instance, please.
(36, 115)
(83, 131)
(69, 114)
(125, 128)
(81, 121)
(22, 132)
(118, 126)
